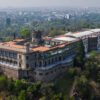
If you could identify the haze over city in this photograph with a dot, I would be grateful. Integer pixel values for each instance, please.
(49, 3)
(49, 49)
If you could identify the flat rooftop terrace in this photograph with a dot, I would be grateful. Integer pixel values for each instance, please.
(83, 33)
(15, 46)
(19, 44)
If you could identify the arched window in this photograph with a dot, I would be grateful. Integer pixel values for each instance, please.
(52, 60)
(45, 63)
(35, 64)
(49, 62)
(40, 64)
(59, 58)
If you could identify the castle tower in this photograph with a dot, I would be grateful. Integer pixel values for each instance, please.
(37, 37)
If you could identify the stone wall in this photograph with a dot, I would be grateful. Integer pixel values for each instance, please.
(9, 72)
(37, 74)
(52, 73)
(13, 73)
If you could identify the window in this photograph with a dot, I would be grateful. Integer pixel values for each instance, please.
(45, 63)
(46, 73)
(27, 57)
(27, 65)
(49, 62)
(60, 58)
(19, 56)
(14, 55)
(35, 64)
(52, 60)
(51, 71)
(40, 64)
(40, 73)
(11, 54)
(20, 65)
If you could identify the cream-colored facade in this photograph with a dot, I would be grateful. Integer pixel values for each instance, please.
(20, 59)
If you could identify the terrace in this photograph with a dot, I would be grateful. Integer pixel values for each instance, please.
(8, 64)
(67, 60)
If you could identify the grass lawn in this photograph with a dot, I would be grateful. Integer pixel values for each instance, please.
(64, 84)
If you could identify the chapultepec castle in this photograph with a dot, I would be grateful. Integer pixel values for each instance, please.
(44, 58)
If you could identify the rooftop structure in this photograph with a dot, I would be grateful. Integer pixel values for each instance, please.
(64, 38)
(95, 30)
(79, 34)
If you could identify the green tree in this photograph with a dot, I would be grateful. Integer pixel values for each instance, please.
(18, 86)
(83, 87)
(57, 97)
(22, 95)
(93, 54)
(11, 97)
(34, 90)
(10, 85)
(25, 32)
(3, 83)
(80, 54)
(48, 90)
(98, 77)
(72, 72)
(54, 32)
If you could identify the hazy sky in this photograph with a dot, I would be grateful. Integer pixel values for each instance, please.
(44, 3)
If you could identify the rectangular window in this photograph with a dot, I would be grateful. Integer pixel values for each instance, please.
(46, 73)
(27, 57)
(19, 56)
(27, 65)
(40, 73)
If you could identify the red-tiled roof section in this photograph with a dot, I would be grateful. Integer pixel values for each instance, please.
(12, 44)
(19, 40)
(44, 48)
(41, 49)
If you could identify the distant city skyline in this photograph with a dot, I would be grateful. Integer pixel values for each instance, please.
(49, 3)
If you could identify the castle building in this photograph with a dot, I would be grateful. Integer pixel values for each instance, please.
(19, 59)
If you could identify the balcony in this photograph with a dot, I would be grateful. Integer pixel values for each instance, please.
(9, 65)
(8, 58)
(67, 60)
